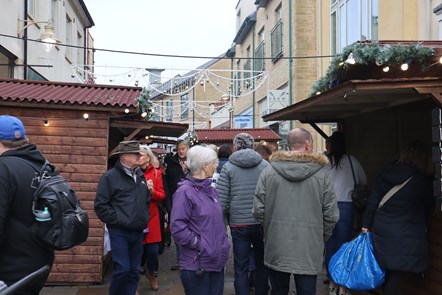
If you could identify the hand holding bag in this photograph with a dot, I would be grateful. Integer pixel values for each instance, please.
(360, 192)
(354, 265)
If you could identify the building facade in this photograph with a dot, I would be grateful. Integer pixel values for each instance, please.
(195, 98)
(62, 25)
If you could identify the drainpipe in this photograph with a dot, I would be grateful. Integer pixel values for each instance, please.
(428, 20)
(25, 41)
(253, 73)
(290, 60)
(193, 106)
(231, 95)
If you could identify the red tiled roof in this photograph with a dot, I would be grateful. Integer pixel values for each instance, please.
(223, 135)
(68, 93)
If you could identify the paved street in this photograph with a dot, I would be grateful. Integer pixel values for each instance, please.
(169, 281)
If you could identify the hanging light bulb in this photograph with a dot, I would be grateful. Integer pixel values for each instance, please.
(46, 122)
(86, 116)
(386, 69)
(404, 66)
(144, 114)
(126, 111)
(440, 60)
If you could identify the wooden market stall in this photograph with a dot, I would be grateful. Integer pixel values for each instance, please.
(380, 113)
(54, 115)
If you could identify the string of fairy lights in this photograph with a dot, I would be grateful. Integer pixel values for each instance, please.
(222, 80)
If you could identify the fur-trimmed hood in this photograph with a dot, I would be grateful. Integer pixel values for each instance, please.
(297, 166)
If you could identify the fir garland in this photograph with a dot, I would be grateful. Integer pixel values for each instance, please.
(144, 104)
(372, 54)
(191, 138)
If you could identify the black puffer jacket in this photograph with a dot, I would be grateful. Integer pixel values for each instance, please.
(121, 202)
(20, 253)
(399, 227)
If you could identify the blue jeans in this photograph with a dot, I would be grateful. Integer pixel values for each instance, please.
(127, 249)
(242, 238)
(342, 232)
(212, 283)
(280, 281)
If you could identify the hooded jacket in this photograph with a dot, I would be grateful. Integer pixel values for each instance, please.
(20, 252)
(236, 186)
(120, 202)
(197, 226)
(399, 228)
(296, 204)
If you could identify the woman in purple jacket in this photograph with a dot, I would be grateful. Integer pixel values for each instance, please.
(198, 228)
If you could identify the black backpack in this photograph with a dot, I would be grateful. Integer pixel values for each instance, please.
(60, 222)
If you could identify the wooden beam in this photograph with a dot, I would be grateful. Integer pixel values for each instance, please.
(130, 137)
(319, 130)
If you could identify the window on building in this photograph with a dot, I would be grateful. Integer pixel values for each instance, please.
(237, 83)
(79, 48)
(68, 37)
(34, 75)
(276, 37)
(247, 70)
(351, 21)
(32, 9)
(169, 110)
(155, 116)
(54, 15)
(259, 61)
(185, 106)
(7, 60)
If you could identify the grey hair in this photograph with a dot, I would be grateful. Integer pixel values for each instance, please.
(198, 156)
(145, 149)
(243, 141)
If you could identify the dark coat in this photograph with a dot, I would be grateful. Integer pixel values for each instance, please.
(20, 253)
(174, 172)
(399, 227)
(121, 202)
(221, 163)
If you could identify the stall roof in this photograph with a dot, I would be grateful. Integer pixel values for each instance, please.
(63, 93)
(76, 96)
(356, 97)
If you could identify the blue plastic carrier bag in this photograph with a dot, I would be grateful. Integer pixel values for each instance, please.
(354, 265)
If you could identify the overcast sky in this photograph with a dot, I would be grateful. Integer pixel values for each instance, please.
(173, 27)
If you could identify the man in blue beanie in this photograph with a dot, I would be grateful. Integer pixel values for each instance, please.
(20, 253)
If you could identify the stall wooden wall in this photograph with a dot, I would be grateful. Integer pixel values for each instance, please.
(78, 148)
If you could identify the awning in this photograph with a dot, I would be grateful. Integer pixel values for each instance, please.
(227, 135)
(142, 128)
(357, 97)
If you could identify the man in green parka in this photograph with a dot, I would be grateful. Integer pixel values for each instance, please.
(296, 204)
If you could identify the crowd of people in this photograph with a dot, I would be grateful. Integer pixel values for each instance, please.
(284, 210)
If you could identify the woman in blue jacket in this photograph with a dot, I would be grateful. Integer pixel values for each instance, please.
(198, 228)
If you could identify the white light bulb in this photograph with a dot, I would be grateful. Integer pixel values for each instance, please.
(86, 116)
(404, 67)
(386, 69)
